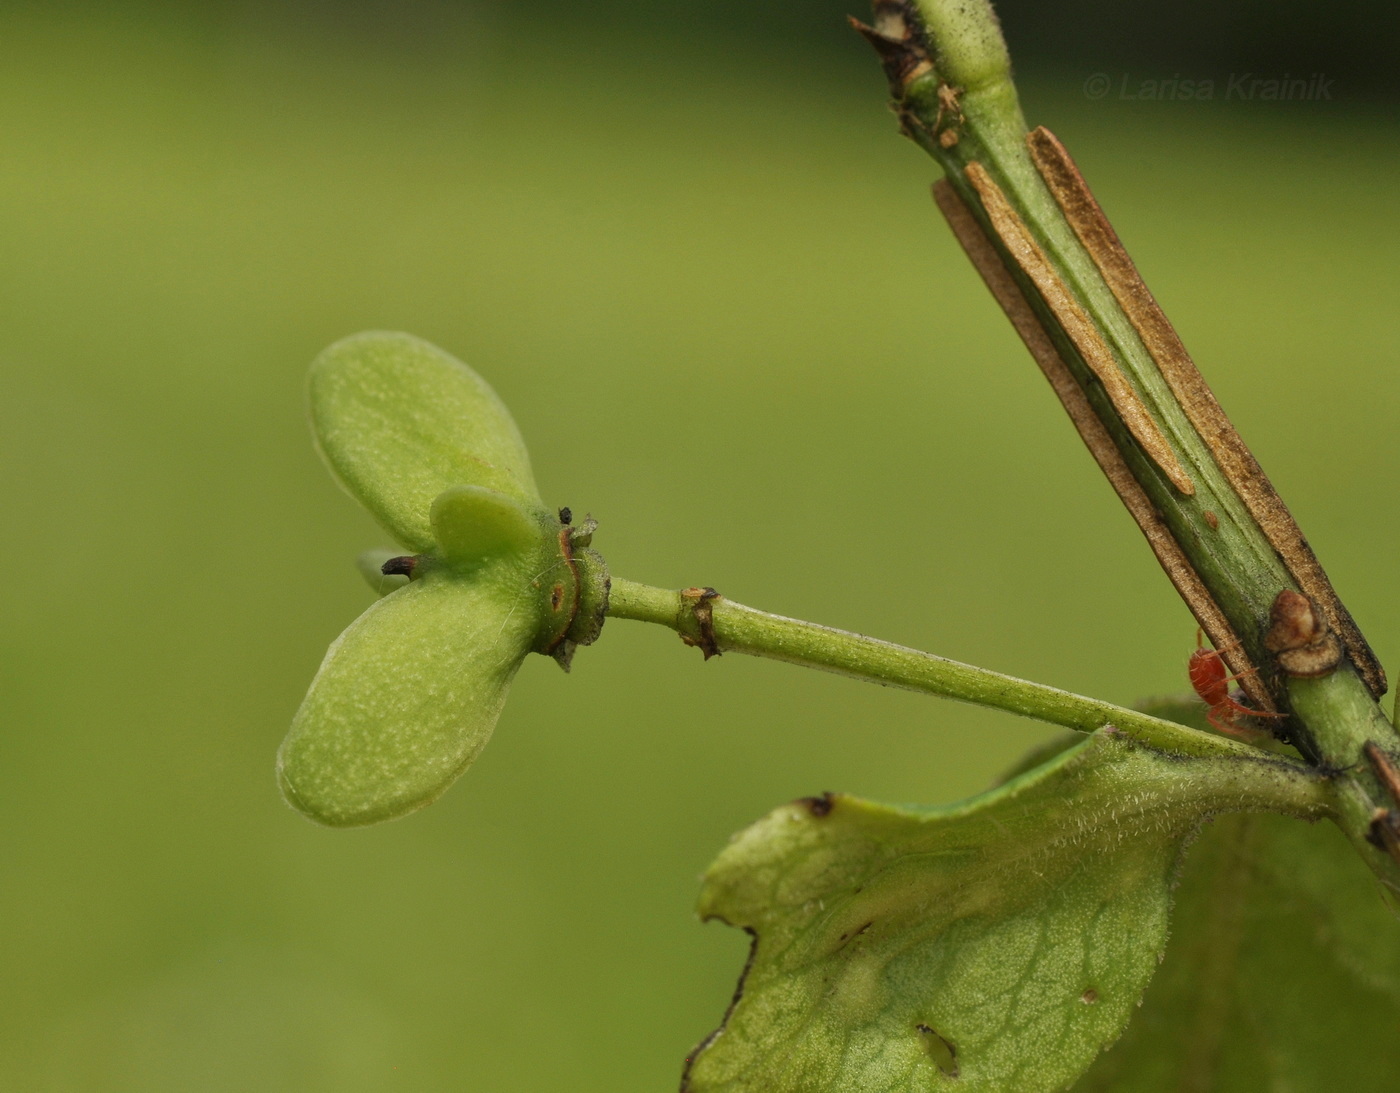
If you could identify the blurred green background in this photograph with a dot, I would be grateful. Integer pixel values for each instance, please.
(706, 275)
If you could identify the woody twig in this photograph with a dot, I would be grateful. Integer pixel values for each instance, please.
(1033, 229)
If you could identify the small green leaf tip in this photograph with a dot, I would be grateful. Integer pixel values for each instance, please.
(474, 524)
(410, 693)
(399, 421)
(996, 945)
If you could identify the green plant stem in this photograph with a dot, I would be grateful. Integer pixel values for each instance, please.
(1235, 560)
(740, 629)
(1226, 547)
(1333, 717)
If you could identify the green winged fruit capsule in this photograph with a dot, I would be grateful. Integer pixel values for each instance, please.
(398, 421)
(405, 700)
(410, 693)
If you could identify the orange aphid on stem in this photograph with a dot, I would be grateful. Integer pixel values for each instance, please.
(1211, 680)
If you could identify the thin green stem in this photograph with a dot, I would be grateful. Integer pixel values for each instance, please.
(734, 628)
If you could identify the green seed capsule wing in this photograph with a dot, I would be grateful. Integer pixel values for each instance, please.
(408, 695)
(399, 420)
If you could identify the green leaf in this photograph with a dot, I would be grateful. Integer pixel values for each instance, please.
(996, 945)
(1282, 973)
(399, 421)
(408, 696)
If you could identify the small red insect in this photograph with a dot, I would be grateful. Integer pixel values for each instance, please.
(1210, 679)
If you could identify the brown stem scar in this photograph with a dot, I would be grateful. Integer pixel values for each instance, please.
(950, 116)
(1236, 462)
(1026, 252)
(1384, 831)
(566, 548)
(1299, 637)
(897, 42)
(1385, 769)
(700, 602)
(1026, 323)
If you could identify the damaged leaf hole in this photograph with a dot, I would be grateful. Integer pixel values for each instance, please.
(940, 1050)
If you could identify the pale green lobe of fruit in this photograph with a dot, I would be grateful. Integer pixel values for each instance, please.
(399, 421)
(473, 524)
(996, 945)
(408, 695)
